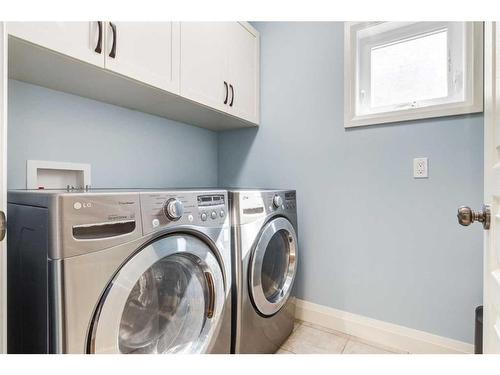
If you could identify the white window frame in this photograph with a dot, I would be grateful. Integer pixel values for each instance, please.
(472, 52)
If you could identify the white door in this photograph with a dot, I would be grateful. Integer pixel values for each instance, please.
(3, 187)
(145, 51)
(204, 52)
(491, 299)
(243, 62)
(80, 40)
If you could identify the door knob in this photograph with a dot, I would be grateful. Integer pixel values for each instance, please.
(466, 216)
(3, 225)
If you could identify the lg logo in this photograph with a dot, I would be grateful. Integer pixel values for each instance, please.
(79, 205)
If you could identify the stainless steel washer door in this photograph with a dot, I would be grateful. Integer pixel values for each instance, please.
(168, 298)
(273, 266)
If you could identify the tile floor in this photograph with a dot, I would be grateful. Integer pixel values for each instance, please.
(309, 338)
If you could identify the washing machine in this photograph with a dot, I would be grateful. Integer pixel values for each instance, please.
(265, 254)
(119, 271)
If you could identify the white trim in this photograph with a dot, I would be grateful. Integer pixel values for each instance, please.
(32, 167)
(3, 183)
(474, 86)
(252, 30)
(391, 335)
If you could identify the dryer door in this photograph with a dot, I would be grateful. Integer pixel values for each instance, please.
(168, 298)
(273, 266)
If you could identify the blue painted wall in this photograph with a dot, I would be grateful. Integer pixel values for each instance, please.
(125, 148)
(373, 240)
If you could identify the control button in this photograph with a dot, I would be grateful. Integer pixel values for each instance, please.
(173, 209)
(277, 201)
(213, 215)
(155, 223)
(222, 213)
(204, 216)
(190, 218)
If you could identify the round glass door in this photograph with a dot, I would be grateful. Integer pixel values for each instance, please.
(166, 299)
(273, 266)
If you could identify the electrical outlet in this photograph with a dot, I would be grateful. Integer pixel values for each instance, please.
(420, 168)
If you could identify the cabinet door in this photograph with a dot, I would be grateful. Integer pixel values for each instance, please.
(75, 39)
(204, 63)
(145, 51)
(243, 60)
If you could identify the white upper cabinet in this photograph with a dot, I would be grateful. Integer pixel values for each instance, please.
(201, 73)
(220, 67)
(145, 51)
(243, 71)
(204, 63)
(79, 40)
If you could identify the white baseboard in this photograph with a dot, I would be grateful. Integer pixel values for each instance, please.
(391, 335)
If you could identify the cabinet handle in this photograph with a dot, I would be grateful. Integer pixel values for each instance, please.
(113, 46)
(232, 95)
(227, 92)
(98, 47)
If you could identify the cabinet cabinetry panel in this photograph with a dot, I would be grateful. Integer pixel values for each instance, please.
(76, 39)
(145, 51)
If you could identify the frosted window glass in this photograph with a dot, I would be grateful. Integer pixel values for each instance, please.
(409, 71)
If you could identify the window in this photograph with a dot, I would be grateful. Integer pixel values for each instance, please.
(410, 71)
(396, 71)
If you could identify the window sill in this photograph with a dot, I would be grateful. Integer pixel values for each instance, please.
(448, 109)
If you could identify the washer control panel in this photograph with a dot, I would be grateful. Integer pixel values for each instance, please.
(291, 200)
(284, 201)
(173, 209)
(163, 209)
(212, 206)
(253, 205)
(277, 201)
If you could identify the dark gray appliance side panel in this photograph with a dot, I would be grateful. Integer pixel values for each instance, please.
(27, 279)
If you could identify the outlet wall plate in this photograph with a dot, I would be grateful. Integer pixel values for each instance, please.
(420, 168)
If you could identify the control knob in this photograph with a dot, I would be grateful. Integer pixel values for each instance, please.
(173, 209)
(277, 201)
